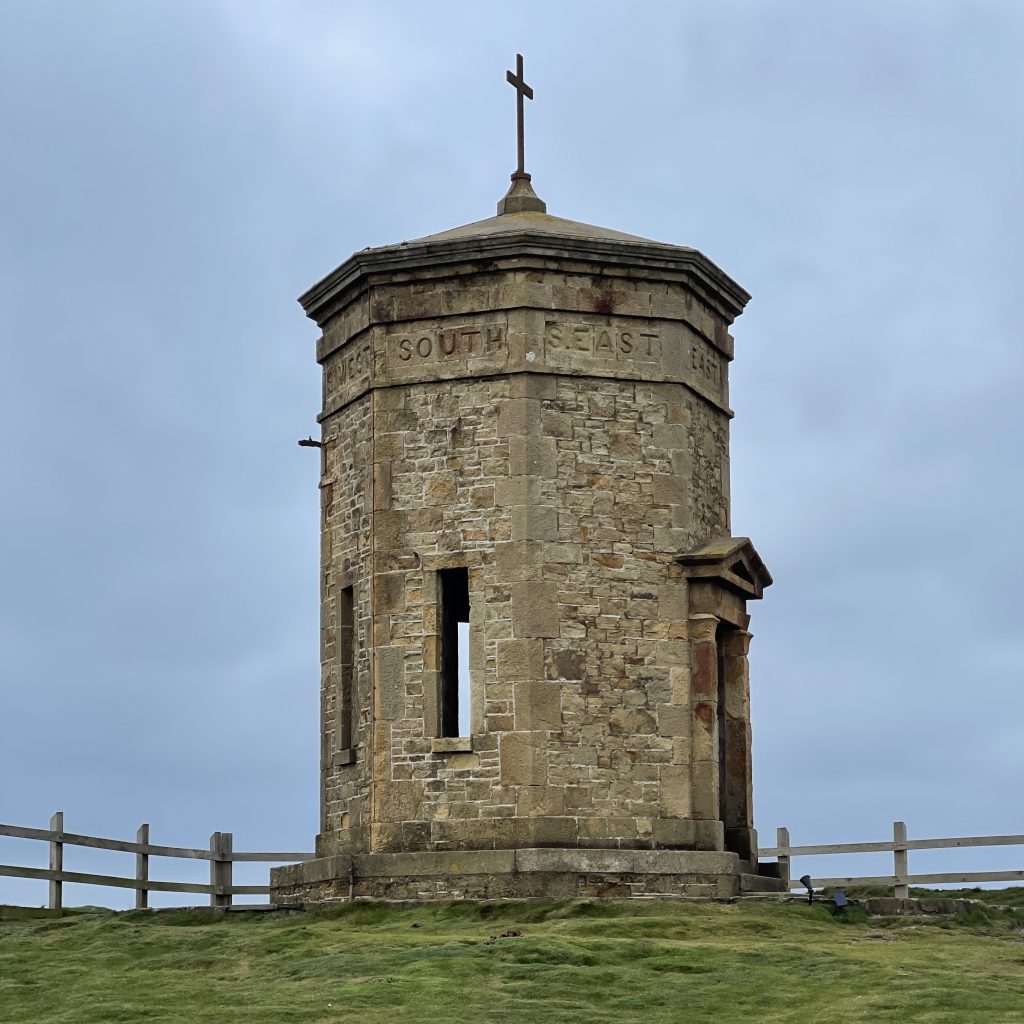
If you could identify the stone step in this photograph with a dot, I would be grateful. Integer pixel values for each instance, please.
(760, 883)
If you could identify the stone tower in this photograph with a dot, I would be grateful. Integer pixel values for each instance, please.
(526, 439)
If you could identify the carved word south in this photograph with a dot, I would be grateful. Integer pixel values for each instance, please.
(450, 343)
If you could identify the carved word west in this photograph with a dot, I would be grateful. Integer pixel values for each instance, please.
(600, 340)
(355, 363)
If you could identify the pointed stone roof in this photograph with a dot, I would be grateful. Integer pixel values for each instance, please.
(732, 561)
(536, 223)
(525, 231)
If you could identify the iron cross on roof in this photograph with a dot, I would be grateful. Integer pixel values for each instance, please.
(522, 89)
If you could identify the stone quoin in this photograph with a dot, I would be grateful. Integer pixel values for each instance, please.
(525, 482)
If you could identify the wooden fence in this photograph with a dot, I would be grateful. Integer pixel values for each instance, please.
(220, 854)
(899, 846)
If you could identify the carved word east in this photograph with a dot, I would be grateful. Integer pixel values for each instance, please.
(705, 365)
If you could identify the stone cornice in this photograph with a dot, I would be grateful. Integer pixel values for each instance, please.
(652, 260)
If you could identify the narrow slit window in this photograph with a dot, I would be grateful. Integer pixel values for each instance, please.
(453, 613)
(345, 731)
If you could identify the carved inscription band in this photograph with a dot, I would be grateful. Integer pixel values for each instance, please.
(606, 345)
(599, 340)
(450, 343)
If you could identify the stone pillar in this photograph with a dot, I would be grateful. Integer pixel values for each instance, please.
(704, 704)
(739, 832)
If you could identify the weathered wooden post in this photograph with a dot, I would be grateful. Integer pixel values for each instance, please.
(782, 842)
(56, 862)
(142, 870)
(220, 869)
(899, 860)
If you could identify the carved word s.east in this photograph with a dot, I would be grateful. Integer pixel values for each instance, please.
(600, 340)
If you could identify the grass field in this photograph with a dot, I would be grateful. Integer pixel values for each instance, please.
(589, 962)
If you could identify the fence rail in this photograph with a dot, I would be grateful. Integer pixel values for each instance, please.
(899, 846)
(220, 854)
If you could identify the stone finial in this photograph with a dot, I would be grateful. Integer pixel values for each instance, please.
(520, 198)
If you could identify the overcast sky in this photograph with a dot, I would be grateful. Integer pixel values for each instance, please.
(174, 174)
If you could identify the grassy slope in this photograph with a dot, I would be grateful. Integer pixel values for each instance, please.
(651, 962)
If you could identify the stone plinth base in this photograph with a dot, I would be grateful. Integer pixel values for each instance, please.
(514, 874)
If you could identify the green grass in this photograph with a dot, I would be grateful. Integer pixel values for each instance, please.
(578, 962)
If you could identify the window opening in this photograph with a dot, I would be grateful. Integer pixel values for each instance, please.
(723, 731)
(345, 738)
(453, 612)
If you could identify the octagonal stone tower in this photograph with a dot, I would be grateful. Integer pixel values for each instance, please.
(526, 440)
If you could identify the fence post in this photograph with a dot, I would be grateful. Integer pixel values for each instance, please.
(56, 901)
(899, 860)
(142, 870)
(782, 842)
(220, 869)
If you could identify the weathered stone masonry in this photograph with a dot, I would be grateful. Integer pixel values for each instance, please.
(545, 406)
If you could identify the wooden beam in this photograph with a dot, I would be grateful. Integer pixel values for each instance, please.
(115, 881)
(142, 869)
(899, 859)
(56, 860)
(121, 845)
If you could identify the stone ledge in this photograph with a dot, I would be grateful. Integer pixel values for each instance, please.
(505, 862)
(451, 745)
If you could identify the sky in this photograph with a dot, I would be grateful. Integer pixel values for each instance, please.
(175, 174)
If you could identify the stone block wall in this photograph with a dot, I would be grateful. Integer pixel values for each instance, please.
(566, 498)
(559, 428)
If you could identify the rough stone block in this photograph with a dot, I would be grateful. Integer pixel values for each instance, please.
(668, 436)
(520, 659)
(675, 790)
(557, 424)
(391, 681)
(563, 554)
(538, 705)
(672, 600)
(669, 489)
(534, 385)
(533, 456)
(397, 801)
(555, 832)
(518, 560)
(388, 592)
(389, 446)
(673, 720)
(703, 790)
(675, 832)
(517, 490)
(631, 722)
(566, 664)
(534, 522)
(704, 732)
(381, 485)
(390, 528)
(440, 489)
(522, 759)
(671, 539)
(532, 801)
(535, 609)
(463, 762)
(519, 416)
